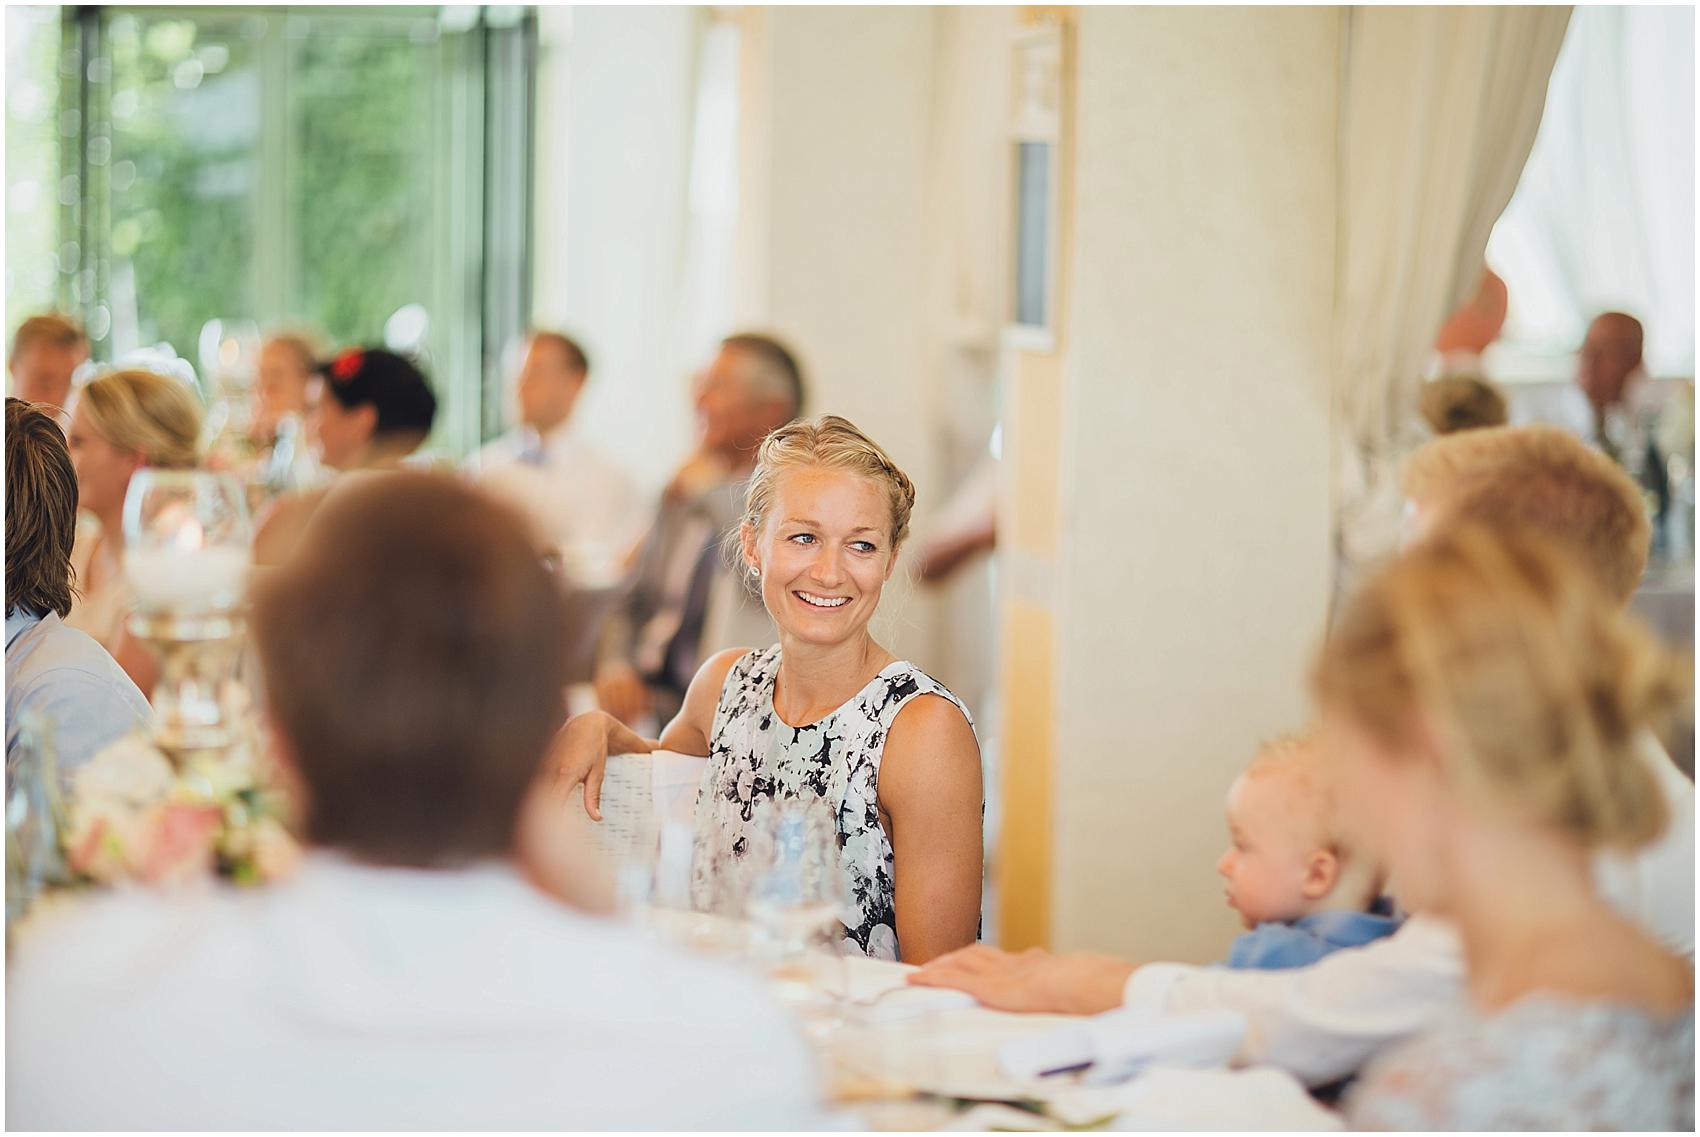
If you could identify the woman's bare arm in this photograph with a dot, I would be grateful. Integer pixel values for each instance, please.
(688, 732)
(930, 790)
(582, 748)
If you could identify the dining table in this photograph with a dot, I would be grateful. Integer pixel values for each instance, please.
(899, 1058)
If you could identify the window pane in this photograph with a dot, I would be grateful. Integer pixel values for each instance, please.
(1032, 233)
(32, 163)
(185, 113)
(363, 179)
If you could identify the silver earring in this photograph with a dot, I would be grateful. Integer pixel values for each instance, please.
(755, 573)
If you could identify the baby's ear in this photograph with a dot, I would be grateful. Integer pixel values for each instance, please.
(1322, 872)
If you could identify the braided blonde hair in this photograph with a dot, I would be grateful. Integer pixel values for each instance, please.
(156, 416)
(832, 443)
(1539, 685)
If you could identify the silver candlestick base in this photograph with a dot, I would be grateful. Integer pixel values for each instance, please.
(192, 702)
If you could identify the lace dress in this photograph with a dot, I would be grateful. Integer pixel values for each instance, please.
(754, 757)
(1545, 1063)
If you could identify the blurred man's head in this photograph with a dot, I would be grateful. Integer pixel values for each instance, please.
(41, 512)
(1610, 355)
(753, 387)
(1539, 478)
(550, 379)
(45, 353)
(413, 660)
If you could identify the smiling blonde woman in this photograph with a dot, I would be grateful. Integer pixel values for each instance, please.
(827, 714)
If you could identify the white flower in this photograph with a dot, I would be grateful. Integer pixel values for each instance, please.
(275, 852)
(882, 942)
(108, 842)
(131, 771)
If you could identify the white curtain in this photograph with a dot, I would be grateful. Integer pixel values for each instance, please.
(635, 149)
(1439, 111)
(1604, 215)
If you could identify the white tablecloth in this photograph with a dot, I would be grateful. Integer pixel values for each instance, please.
(897, 1042)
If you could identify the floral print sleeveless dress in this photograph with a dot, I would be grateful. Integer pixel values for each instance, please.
(755, 758)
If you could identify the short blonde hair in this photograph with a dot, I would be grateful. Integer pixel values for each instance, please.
(306, 346)
(1540, 478)
(1296, 761)
(53, 328)
(1461, 402)
(832, 443)
(1535, 684)
(158, 417)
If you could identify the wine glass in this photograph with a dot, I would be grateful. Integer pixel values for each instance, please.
(34, 815)
(186, 540)
(186, 555)
(796, 899)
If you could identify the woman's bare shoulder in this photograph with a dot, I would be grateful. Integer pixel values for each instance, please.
(282, 524)
(930, 745)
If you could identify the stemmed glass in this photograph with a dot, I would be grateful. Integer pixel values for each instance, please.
(186, 556)
(186, 537)
(34, 815)
(796, 899)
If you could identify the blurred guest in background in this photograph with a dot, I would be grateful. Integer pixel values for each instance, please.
(266, 444)
(284, 454)
(1615, 406)
(289, 361)
(967, 525)
(46, 352)
(1461, 402)
(683, 602)
(409, 976)
(1625, 409)
(1533, 476)
(1485, 704)
(1473, 327)
(1609, 373)
(56, 676)
(374, 408)
(582, 502)
(123, 420)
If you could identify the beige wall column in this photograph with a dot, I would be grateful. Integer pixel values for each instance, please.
(1029, 528)
(1193, 503)
(835, 121)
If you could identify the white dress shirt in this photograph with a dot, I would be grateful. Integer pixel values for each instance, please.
(355, 997)
(1322, 1022)
(62, 678)
(581, 500)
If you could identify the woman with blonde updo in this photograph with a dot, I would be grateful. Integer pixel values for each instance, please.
(827, 713)
(123, 420)
(1484, 702)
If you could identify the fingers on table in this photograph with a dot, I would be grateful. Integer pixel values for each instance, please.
(957, 967)
(593, 792)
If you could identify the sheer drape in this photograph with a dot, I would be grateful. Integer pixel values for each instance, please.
(1604, 215)
(1439, 111)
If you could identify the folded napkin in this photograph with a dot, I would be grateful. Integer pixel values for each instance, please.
(1169, 1098)
(1116, 1045)
(642, 796)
